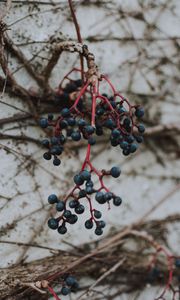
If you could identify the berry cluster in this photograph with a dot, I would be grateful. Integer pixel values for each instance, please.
(91, 115)
(72, 205)
(69, 284)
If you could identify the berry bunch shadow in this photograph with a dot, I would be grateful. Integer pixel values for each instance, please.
(91, 115)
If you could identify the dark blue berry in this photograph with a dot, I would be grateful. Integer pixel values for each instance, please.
(54, 140)
(100, 111)
(67, 214)
(52, 199)
(89, 190)
(62, 139)
(76, 136)
(177, 262)
(78, 82)
(86, 175)
(63, 124)
(108, 196)
(71, 121)
(89, 224)
(98, 231)
(60, 206)
(89, 129)
(99, 196)
(70, 87)
(117, 201)
(133, 148)
(115, 133)
(73, 203)
(53, 223)
(141, 128)
(124, 145)
(82, 193)
(139, 139)
(56, 150)
(65, 112)
(89, 183)
(80, 209)
(70, 280)
(101, 224)
(47, 155)
(121, 109)
(97, 214)
(139, 112)
(65, 291)
(109, 123)
(56, 161)
(45, 143)
(91, 140)
(72, 219)
(81, 122)
(115, 172)
(43, 123)
(62, 229)
(78, 179)
(126, 152)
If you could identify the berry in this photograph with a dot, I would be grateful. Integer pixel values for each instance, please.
(56, 150)
(60, 206)
(86, 175)
(54, 140)
(139, 139)
(67, 214)
(115, 133)
(70, 280)
(65, 291)
(81, 122)
(63, 124)
(117, 201)
(70, 87)
(62, 229)
(109, 123)
(89, 183)
(141, 128)
(115, 172)
(53, 223)
(43, 123)
(71, 121)
(108, 196)
(139, 112)
(80, 209)
(62, 139)
(97, 214)
(177, 262)
(99, 131)
(47, 155)
(100, 198)
(89, 190)
(101, 224)
(133, 148)
(78, 82)
(72, 219)
(89, 224)
(56, 161)
(78, 179)
(89, 129)
(73, 203)
(52, 199)
(98, 231)
(82, 193)
(45, 143)
(76, 136)
(124, 145)
(91, 140)
(65, 112)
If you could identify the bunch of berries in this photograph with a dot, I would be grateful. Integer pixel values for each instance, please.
(91, 115)
(69, 284)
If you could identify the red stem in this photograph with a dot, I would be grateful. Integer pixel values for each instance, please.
(53, 293)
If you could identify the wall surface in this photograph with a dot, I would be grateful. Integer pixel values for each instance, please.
(139, 52)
